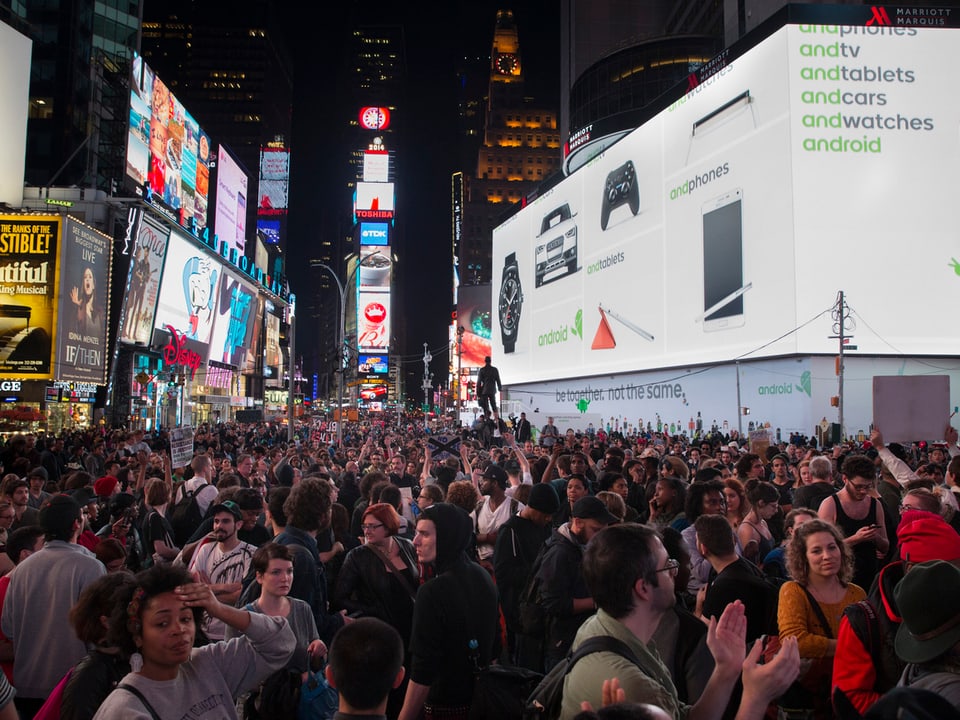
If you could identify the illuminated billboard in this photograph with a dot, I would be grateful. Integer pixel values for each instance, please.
(269, 230)
(168, 153)
(373, 321)
(373, 201)
(373, 366)
(188, 292)
(230, 220)
(143, 283)
(236, 326)
(15, 90)
(85, 289)
(29, 267)
(375, 267)
(272, 358)
(725, 226)
(376, 166)
(473, 313)
(274, 181)
(374, 233)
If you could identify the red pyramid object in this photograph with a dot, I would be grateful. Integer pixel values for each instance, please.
(603, 339)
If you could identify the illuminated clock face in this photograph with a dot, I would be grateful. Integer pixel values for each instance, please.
(506, 64)
(374, 118)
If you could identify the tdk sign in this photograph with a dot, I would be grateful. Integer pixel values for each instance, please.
(374, 233)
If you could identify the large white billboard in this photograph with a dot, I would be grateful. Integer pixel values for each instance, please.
(724, 228)
(230, 223)
(15, 90)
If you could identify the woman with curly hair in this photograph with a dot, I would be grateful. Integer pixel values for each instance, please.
(154, 622)
(811, 604)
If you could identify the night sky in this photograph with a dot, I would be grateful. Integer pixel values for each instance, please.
(438, 36)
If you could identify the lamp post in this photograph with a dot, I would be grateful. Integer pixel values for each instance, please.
(340, 333)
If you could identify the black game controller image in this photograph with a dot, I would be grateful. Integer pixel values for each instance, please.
(621, 187)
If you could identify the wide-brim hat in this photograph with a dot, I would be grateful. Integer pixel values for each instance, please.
(926, 598)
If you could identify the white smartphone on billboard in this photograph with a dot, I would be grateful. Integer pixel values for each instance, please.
(723, 286)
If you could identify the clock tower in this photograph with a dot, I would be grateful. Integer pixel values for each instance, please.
(506, 76)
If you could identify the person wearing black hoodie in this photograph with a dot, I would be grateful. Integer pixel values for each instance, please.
(456, 604)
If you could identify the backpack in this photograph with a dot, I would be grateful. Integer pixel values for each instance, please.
(277, 697)
(546, 700)
(866, 626)
(533, 617)
(185, 517)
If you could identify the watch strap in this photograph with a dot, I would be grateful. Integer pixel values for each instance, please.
(510, 259)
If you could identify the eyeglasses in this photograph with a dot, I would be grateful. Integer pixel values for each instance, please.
(370, 527)
(861, 487)
(903, 508)
(671, 567)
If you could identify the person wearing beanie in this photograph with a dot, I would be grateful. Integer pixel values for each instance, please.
(518, 543)
(862, 673)
(928, 639)
(455, 617)
(106, 486)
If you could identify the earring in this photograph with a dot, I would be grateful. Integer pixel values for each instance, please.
(136, 662)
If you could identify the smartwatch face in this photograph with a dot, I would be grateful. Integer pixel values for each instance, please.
(510, 302)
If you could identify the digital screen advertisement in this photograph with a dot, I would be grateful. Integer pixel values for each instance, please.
(167, 149)
(374, 233)
(236, 326)
(373, 201)
(473, 313)
(230, 222)
(84, 297)
(29, 252)
(274, 181)
(143, 285)
(373, 365)
(376, 166)
(725, 227)
(189, 292)
(375, 267)
(269, 231)
(272, 356)
(373, 321)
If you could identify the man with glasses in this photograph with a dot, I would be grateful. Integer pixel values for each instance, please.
(856, 510)
(630, 576)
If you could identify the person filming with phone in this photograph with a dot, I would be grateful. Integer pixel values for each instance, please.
(856, 510)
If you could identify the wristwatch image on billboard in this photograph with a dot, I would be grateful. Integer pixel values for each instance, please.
(510, 303)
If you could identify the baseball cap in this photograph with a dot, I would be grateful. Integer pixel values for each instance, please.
(228, 506)
(497, 473)
(593, 508)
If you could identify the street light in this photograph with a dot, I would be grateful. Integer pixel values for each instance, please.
(340, 333)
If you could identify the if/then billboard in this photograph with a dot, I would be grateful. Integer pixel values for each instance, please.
(85, 289)
(819, 160)
(29, 253)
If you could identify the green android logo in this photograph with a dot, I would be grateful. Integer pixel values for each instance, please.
(582, 405)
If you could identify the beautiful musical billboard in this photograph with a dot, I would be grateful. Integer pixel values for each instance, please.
(85, 289)
(29, 252)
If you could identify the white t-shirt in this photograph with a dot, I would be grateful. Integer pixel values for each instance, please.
(221, 567)
(487, 521)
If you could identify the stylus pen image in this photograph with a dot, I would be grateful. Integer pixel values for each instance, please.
(723, 303)
(626, 323)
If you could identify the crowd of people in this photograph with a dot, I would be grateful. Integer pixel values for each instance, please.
(388, 571)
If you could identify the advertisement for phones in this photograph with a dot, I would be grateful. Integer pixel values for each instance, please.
(819, 160)
(230, 221)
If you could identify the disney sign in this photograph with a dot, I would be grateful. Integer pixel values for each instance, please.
(176, 352)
